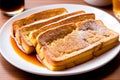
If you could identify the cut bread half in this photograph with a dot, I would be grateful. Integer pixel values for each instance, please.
(71, 44)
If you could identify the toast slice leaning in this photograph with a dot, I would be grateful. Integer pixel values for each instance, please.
(72, 44)
(37, 16)
(24, 32)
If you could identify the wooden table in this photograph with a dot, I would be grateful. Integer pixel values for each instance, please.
(111, 71)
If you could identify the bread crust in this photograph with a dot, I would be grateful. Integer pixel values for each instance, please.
(72, 49)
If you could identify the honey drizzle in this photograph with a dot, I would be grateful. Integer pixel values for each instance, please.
(30, 58)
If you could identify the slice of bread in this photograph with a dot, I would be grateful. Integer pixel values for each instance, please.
(71, 44)
(37, 16)
(41, 27)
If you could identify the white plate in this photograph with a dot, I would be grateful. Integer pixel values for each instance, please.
(9, 54)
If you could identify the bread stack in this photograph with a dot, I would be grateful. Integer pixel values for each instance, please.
(63, 40)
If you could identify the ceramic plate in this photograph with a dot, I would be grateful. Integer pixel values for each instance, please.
(12, 57)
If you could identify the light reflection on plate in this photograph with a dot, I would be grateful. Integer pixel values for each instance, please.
(9, 54)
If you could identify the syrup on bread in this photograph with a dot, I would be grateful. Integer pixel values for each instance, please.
(69, 45)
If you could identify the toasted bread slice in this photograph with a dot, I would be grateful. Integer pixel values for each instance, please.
(37, 16)
(66, 46)
(24, 32)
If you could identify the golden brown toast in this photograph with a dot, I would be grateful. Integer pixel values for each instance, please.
(37, 16)
(41, 27)
(71, 44)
